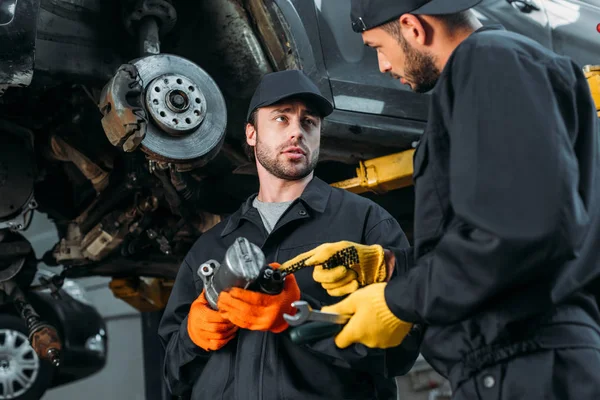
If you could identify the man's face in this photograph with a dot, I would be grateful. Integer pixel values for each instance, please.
(286, 139)
(402, 60)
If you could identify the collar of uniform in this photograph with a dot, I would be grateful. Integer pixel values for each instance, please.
(492, 27)
(315, 196)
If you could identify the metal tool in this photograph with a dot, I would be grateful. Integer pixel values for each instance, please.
(244, 267)
(305, 313)
(310, 325)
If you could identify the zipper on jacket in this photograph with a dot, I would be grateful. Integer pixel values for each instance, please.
(263, 346)
(262, 366)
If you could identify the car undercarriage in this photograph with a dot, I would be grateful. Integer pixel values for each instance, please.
(123, 121)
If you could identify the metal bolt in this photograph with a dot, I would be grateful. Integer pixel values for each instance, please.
(177, 100)
(489, 381)
(54, 356)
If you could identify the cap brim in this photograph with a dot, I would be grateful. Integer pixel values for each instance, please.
(437, 7)
(322, 105)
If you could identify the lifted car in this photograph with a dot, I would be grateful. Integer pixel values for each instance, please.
(123, 120)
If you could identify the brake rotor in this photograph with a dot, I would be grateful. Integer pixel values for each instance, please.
(186, 109)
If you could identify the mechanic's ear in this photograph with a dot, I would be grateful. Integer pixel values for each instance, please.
(250, 134)
(412, 29)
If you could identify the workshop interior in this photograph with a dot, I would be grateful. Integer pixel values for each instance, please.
(122, 121)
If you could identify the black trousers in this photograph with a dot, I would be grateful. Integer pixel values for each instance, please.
(559, 374)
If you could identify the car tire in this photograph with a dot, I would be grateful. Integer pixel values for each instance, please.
(36, 376)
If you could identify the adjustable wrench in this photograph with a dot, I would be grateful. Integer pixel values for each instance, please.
(305, 313)
(310, 325)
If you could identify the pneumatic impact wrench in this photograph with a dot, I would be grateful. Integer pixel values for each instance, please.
(244, 267)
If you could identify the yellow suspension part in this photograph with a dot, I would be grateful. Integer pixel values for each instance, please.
(592, 73)
(143, 294)
(382, 174)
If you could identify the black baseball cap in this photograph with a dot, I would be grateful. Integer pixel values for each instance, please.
(280, 85)
(368, 14)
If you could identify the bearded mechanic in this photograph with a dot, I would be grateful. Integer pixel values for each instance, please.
(241, 351)
(507, 209)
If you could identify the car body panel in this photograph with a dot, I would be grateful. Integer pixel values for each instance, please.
(299, 14)
(356, 82)
(358, 85)
(77, 322)
(574, 26)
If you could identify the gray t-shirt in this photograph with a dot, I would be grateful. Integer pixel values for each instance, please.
(270, 212)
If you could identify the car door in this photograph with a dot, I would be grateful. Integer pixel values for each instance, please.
(356, 83)
(358, 86)
(527, 17)
(576, 29)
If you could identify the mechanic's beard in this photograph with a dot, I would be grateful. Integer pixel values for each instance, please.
(419, 68)
(285, 170)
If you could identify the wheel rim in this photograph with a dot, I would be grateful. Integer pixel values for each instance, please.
(19, 364)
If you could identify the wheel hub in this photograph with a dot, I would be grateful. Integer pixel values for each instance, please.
(169, 107)
(5, 363)
(19, 365)
(176, 104)
(187, 111)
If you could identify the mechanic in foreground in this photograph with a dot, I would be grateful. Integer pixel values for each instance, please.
(242, 351)
(507, 228)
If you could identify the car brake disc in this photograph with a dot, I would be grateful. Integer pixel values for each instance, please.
(168, 107)
(186, 109)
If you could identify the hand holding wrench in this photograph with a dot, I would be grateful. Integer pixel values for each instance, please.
(312, 325)
(305, 313)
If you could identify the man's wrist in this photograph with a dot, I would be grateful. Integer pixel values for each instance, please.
(390, 262)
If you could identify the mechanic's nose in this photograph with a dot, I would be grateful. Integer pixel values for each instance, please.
(384, 64)
(297, 131)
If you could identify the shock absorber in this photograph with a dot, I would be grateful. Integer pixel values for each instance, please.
(147, 20)
(43, 337)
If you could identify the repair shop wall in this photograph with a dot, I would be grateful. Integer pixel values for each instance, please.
(123, 375)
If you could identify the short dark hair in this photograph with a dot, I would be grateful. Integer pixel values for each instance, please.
(393, 29)
(459, 20)
(249, 150)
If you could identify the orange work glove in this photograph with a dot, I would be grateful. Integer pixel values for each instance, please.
(206, 327)
(259, 311)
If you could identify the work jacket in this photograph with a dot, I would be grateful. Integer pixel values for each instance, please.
(507, 217)
(266, 366)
